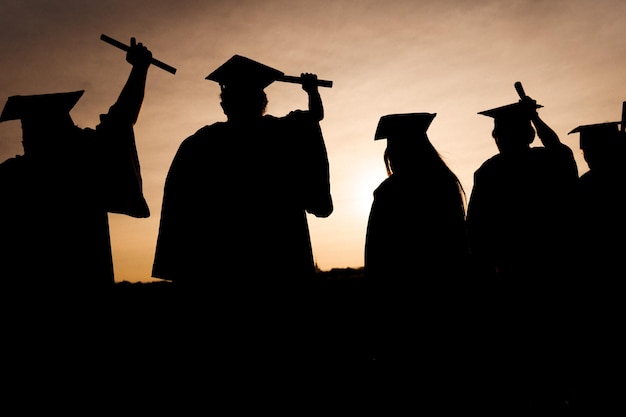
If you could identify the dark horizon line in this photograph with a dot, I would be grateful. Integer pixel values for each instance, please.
(333, 271)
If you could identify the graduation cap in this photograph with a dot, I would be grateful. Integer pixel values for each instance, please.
(403, 126)
(245, 73)
(41, 106)
(242, 72)
(601, 132)
(597, 133)
(510, 112)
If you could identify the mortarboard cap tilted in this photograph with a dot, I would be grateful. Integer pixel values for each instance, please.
(244, 73)
(596, 132)
(403, 125)
(514, 111)
(39, 106)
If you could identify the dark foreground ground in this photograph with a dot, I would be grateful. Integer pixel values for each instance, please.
(324, 320)
(466, 351)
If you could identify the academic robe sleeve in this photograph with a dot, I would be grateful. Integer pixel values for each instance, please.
(313, 165)
(121, 180)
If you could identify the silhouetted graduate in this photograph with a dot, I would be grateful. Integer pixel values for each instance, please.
(238, 192)
(519, 221)
(519, 207)
(416, 248)
(601, 216)
(416, 229)
(56, 196)
(601, 223)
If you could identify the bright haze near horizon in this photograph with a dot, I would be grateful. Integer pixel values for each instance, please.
(450, 57)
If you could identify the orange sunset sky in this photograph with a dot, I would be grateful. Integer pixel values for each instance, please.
(450, 57)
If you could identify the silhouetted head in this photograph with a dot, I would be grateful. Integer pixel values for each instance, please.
(512, 128)
(601, 144)
(243, 104)
(408, 145)
(409, 150)
(44, 117)
(242, 82)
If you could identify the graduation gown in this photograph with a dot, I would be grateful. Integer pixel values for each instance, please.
(416, 231)
(236, 200)
(602, 221)
(55, 230)
(416, 252)
(520, 212)
(520, 222)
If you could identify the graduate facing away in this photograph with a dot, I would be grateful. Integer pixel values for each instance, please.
(238, 192)
(601, 217)
(416, 247)
(57, 195)
(519, 213)
(416, 228)
(601, 223)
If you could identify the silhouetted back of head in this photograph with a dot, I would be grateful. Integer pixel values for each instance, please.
(407, 143)
(242, 82)
(600, 143)
(44, 117)
(243, 104)
(512, 126)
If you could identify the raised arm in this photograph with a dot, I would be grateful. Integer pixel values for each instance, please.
(131, 98)
(309, 84)
(122, 185)
(545, 133)
(551, 141)
(548, 137)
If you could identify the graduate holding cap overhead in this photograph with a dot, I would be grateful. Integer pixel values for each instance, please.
(57, 195)
(237, 194)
